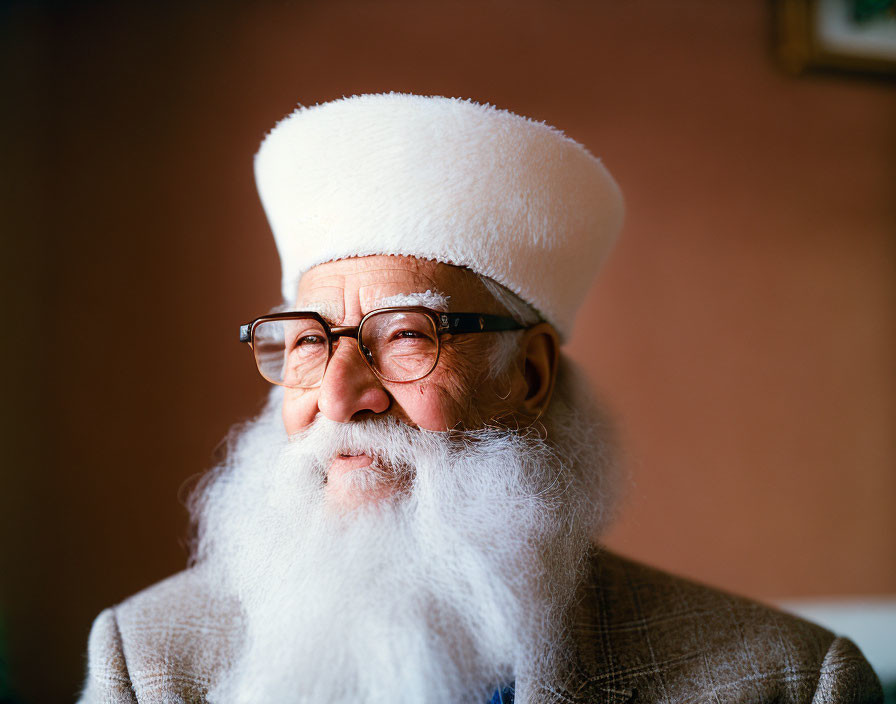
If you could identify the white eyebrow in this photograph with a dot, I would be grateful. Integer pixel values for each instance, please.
(325, 309)
(429, 299)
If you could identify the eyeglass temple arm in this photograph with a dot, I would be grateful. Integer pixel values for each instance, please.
(457, 323)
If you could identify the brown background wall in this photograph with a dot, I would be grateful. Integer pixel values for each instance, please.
(743, 330)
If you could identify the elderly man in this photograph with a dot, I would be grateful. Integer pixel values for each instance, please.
(411, 518)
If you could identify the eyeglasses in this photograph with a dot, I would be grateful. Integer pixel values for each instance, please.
(398, 344)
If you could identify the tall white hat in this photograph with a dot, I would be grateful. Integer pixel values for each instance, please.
(443, 179)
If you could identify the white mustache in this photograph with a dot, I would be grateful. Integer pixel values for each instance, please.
(388, 441)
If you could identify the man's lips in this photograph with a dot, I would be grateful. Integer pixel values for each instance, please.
(344, 463)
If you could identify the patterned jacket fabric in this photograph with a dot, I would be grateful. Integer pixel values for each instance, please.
(638, 635)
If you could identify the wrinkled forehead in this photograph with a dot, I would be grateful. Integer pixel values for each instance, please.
(354, 286)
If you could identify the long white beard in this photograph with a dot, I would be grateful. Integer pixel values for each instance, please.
(440, 594)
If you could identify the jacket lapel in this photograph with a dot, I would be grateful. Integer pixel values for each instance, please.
(589, 673)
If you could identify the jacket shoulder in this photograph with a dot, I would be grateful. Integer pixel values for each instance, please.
(168, 642)
(107, 672)
(671, 639)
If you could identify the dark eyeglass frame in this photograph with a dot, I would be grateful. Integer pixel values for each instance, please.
(443, 324)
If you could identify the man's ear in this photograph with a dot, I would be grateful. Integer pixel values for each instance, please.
(541, 350)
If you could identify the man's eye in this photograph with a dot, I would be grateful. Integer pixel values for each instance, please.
(408, 333)
(308, 340)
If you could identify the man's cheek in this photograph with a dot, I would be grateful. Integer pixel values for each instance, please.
(298, 409)
(468, 365)
(426, 404)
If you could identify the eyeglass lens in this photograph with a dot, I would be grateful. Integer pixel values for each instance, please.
(399, 346)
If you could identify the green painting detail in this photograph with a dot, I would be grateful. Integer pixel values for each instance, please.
(867, 10)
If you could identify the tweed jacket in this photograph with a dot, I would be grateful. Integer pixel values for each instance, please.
(638, 636)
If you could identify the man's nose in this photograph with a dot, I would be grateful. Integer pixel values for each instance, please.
(349, 386)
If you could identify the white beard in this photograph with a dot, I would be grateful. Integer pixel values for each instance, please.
(441, 594)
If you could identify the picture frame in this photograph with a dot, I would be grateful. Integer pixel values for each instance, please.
(852, 35)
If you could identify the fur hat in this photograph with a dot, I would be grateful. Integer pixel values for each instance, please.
(443, 179)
